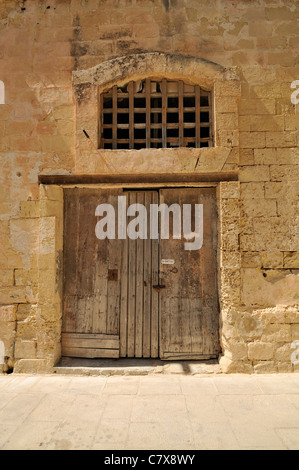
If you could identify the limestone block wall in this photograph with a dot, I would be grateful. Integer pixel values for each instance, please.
(44, 45)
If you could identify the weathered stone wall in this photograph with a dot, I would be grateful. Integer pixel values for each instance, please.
(41, 44)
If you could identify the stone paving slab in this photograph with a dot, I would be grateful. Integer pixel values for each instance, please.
(168, 412)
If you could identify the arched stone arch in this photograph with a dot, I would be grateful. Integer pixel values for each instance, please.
(156, 64)
(2, 92)
(224, 83)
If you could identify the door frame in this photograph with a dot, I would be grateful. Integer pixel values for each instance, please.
(49, 310)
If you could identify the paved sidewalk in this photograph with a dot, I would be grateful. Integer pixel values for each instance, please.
(149, 412)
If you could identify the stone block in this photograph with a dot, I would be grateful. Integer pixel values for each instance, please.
(237, 350)
(6, 277)
(49, 293)
(26, 330)
(29, 209)
(260, 351)
(51, 192)
(227, 121)
(228, 366)
(8, 313)
(227, 88)
(265, 367)
(269, 289)
(252, 140)
(230, 259)
(255, 207)
(273, 190)
(33, 366)
(265, 156)
(230, 208)
(250, 260)
(283, 354)
(226, 105)
(49, 208)
(277, 334)
(254, 173)
(50, 313)
(230, 190)
(13, 295)
(266, 123)
(271, 259)
(26, 311)
(291, 260)
(25, 349)
(254, 190)
(279, 13)
(26, 277)
(284, 367)
(227, 138)
(47, 235)
(295, 332)
(281, 139)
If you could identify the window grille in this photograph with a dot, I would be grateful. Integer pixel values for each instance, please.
(155, 114)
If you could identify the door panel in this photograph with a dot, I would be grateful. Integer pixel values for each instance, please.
(139, 332)
(189, 310)
(91, 297)
(111, 307)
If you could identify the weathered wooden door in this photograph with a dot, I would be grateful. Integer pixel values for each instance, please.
(189, 312)
(90, 324)
(122, 298)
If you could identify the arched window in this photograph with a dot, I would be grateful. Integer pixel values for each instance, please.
(155, 113)
(2, 93)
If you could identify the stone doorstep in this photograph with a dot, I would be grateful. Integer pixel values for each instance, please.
(133, 367)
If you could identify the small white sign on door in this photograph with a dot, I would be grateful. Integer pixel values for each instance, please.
(167, 261)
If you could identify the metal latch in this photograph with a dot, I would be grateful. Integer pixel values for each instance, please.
(158, 287)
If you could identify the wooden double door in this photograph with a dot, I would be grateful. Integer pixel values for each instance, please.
(146, 297)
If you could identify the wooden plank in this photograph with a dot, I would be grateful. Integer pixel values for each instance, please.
(114, 118)
(113, 263)
(181, 113)
(139, 179)
(164, 112)
(124, 295)
(69, 313)
(197, 115)
(189, 311)
(131, 114)
(211, 118)
(147, 279)
(89, 343)
(155, 294)
(131, 289)
(84, 259)
(139, 288)
(70, 230)
(148, 112)
(100, 286)
(91, 353)
(100, 300)
(101, 120)
(156, 110)
(90, 336)
(84, 314)
(93, 307)
(174, 356)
